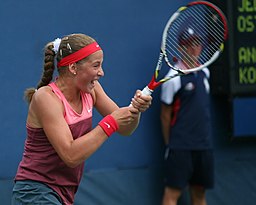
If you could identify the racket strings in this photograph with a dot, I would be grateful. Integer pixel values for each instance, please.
(211, 49)
(203, 22)
(217, 26)
(207, 52)
(214, 26)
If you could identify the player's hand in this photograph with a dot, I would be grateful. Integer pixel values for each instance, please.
(141, 102)
(125, 115)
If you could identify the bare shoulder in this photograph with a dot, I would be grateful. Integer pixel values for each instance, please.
(43, 93)
(45, 97)
(44, 104)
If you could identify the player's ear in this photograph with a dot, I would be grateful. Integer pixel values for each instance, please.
(72, 68)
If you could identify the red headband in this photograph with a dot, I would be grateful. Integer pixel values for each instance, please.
(79, 55)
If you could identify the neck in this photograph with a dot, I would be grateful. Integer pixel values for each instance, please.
(68, 90)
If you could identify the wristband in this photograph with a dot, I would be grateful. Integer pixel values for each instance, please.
(109, 125)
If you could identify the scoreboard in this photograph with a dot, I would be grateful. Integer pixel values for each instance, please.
(234, 73)
(241, 16)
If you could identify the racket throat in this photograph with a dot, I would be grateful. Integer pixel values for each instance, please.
(153, 84)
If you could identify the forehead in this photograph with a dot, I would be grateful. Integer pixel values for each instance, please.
(97, 56)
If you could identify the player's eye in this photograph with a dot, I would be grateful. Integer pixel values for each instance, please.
(96, 66)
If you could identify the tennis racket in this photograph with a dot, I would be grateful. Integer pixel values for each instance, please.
(200, 23)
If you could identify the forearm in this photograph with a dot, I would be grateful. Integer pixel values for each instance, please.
(83, 147)
(126, 130)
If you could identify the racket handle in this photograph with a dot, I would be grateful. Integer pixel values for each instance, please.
(147, 91)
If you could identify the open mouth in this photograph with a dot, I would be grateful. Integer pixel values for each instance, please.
(93, 82)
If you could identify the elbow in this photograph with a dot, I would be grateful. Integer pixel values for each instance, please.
(71, 162)
(71, 157)
(71, 165)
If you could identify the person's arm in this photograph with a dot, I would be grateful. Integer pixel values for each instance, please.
(106, 106)
(165, 117)
(46, 111)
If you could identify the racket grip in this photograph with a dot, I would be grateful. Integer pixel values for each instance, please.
(147, 91)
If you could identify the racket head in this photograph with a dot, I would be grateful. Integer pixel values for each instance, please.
(195, 34)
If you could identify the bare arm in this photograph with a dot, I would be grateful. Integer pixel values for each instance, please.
(128, 122)
(46, 111)
(165, 116)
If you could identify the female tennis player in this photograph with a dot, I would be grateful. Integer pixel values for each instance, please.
(60, 136)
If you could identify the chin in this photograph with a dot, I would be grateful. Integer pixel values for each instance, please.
(88, 90)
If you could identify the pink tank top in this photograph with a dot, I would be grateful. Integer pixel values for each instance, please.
(40, 162)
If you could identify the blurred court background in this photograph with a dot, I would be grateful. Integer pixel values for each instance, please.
(129, 170)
